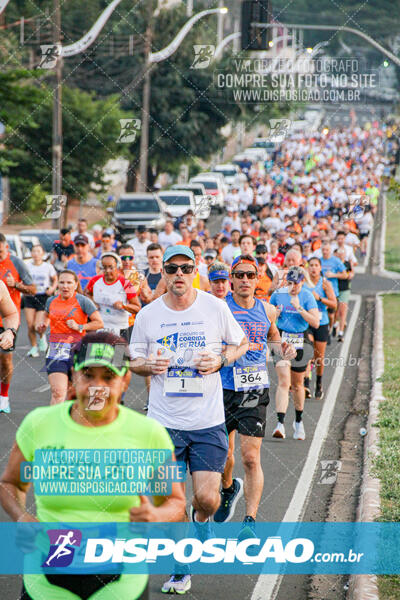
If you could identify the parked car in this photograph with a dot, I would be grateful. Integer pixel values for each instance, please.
(16, 246)
(202, 199)
(29, 241)
(264, 143)
(220, 177)
(229, 171)
(46, 238)
(256, 154)
(176, 203)
(132, 210)
(214, 187)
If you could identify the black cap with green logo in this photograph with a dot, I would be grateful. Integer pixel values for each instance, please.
(102, 349)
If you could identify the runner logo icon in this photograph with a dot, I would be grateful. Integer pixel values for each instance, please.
(62, 547)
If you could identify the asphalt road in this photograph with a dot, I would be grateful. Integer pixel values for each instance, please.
(282, 461)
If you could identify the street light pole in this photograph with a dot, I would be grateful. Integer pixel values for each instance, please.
(145, 120)
(150, 59)
(57, 110)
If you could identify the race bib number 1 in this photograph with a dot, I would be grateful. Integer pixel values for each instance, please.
(183, 382)
(297, 339)
(250, 378)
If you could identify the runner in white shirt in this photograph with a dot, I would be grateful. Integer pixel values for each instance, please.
(44, 276)
(114, 295)
(168, 237)
(179, 340)
(140, 244)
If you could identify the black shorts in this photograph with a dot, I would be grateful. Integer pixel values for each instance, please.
(246, 412)
(304, 355)
(364, 235)
(2, 329)
(331, 311)
(321, 334)
(38, 301)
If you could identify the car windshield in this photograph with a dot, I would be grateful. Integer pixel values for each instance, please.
(47, 240)
(227, 172)
(180, 200)
(197, 191)
(209, 185)
(11, 245)
(138, 205)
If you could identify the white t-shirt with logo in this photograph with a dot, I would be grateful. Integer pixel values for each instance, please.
(105, 295)
(205, 325)
(41, 275)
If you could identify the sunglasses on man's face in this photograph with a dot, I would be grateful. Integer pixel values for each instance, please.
(242, 274)
(127, 257)
(186, 269)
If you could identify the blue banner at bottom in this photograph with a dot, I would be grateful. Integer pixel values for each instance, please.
(132, 548)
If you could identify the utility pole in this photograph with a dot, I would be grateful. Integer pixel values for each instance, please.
(145, 120)
(220, 23)
(57, 110)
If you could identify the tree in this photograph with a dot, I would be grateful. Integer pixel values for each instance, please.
(91, 130)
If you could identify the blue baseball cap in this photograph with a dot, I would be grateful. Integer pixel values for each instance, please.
(178, 250)
(220, 274)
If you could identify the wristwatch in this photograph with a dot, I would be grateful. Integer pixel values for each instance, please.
(224, 361)
(80, 329)
(13, 331)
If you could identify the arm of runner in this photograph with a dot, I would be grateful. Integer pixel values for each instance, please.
(330, 301)
(10, 318)
(95, 322)
(160, 289)
(283, 349)
(311, 316)
(133, 306)
(209, 363)
(53, 284)
(12, 490)
(43, 323)
(26, 285)
(145, 294)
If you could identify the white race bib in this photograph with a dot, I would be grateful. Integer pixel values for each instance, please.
(184, 382)
(59, 351)
(297, 339)
(250, 377)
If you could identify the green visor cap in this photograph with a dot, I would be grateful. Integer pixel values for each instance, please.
(98, 354)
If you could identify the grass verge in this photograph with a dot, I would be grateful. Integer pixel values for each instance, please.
(392, 249)
(387, 464)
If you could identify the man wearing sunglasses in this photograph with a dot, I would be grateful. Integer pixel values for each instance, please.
(182, 340)
(246, 392)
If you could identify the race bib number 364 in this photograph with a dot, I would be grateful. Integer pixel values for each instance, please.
(250, 378)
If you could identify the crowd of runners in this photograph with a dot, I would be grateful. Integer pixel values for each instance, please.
(206, 318)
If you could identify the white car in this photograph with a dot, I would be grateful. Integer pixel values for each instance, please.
(230, 173)
(176, 203)
(214, 188)
(265, 143)
(256, 154)
(220, 177)
(17, 247)
(202, 199)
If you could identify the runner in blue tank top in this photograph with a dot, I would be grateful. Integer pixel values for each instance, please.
(324, 294)
(246, 392)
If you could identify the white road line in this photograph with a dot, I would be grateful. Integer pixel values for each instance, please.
(267, 586)
(42, 388)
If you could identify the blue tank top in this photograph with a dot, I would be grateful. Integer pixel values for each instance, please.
(323, 310)
(255, 323)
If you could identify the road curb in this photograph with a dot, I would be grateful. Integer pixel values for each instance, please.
(363, 587)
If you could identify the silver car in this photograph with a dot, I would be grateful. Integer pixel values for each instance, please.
(132, 210)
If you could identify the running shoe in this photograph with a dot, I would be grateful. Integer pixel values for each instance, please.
(307, 392)
(177, 584)
(43, 345)
(334, 330)
(340, 336)
(319, 392)
(4, 404)
(228, 502)
(33, 352)
(248, 530)
(299, 433)
(279, 431)
(204, 529)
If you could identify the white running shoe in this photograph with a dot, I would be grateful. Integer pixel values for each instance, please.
(177, 584)
(43, 345)
(299, 433)
(5, 404)
(33, 352)
(279, 431)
